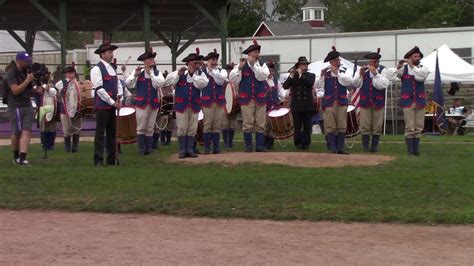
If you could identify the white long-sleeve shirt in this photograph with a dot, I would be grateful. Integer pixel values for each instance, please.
(96, 79)
(281, 91)
(50, 93)
(261, 72)
(157, 81)
(219, 75)
(59, 85)
(420, 72)
(343, 77)
(199, 81)
(380, 81)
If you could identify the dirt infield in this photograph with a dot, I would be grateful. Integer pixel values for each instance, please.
(298, 159)
(54, 238)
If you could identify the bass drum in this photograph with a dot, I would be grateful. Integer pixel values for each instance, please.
(86, 103)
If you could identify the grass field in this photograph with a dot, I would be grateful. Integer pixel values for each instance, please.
(434, 188)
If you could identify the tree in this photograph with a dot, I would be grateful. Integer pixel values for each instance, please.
(372, 15)
(288, 10)
(245, 17)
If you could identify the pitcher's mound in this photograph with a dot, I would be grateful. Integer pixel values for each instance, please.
(297, 159)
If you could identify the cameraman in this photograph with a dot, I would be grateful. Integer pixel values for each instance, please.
(20, 110)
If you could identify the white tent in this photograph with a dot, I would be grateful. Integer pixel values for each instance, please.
(316, 67)
(452, 67)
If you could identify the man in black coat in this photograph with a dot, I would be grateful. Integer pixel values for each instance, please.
(301, 82)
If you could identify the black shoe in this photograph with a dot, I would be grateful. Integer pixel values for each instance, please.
(191, 155)
(343, 152)
(98, 163)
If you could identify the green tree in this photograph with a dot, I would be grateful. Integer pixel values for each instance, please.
(288, 10)
(372, 15)
(245, 18)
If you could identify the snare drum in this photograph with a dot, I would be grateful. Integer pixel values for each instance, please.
(72, 99)
(86, 102)
(127, 125)
(232, 103)
(166, 95)
(200, 128)
(282, 123)
(353, 128)
(50, 100)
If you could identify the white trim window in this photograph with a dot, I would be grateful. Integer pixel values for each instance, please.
(307, 15)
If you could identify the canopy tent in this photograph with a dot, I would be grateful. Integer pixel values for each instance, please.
(452, 67)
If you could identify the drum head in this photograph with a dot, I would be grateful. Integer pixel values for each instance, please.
(126, 111)
(71, 99)
(52, 102)
(278, 112)
(200, 116)
(350, 108)
(229, 98)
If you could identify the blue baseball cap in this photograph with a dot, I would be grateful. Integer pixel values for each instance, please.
(24, 56)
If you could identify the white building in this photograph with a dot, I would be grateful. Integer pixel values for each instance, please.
(43, 42)
(286, 49)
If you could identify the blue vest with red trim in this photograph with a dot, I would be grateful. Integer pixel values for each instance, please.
(250, 88)
(370, 96)
(334, 91)
(186, 95)
(272, 95)
(213, 93)
(109, 83)
(412, 91)
(145, 93)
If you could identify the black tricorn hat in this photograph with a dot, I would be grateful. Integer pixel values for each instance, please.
(193, 57)
(105, 47)
(253, 47)
(375, 56)
(270, 64)
(332, 55)
(146, 55)
(210, 55)
(301, 60)
(414, 50)
(69, 69)
(229, 66)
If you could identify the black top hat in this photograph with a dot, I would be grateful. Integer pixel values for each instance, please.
(105, 47)
(210, 55)
(193, 57)
(302, 60)
(146, 55)
(375, 56)
(414, 50)
(253, 47)
(332, 55)
(69, 69)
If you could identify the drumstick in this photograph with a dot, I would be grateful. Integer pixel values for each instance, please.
(117, 134)
(128, 60)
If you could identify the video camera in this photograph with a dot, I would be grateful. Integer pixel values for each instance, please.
(40, 73)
